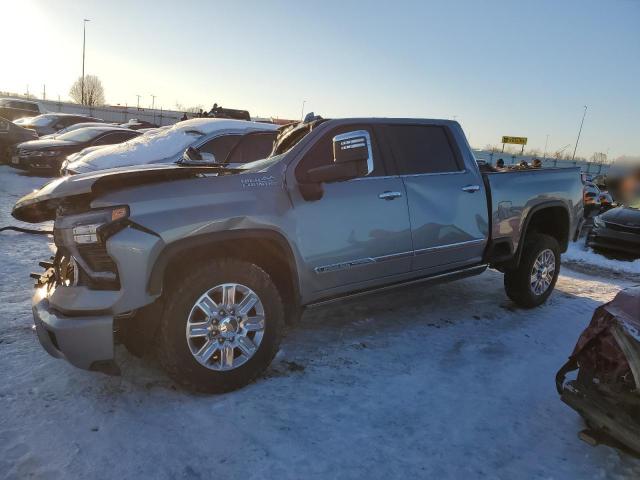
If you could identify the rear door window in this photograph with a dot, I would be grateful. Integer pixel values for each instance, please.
(113, 137)
(420, 149)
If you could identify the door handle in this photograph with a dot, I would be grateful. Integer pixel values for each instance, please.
(471, 188)
(389, 195)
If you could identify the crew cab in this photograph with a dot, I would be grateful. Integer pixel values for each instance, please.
(207, 265)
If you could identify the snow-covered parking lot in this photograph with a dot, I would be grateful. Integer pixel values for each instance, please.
(450, 381)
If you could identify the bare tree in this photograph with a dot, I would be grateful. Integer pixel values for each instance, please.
(533, 152)
(194, 109)
(93, 91)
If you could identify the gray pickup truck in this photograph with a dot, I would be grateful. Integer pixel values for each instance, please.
(208, 264)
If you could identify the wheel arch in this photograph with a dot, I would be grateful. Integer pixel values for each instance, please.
(550, 218)
(267, 248)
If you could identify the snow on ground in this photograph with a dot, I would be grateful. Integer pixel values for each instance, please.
(451, 381)
(582, 255)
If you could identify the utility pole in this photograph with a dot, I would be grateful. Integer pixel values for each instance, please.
(153, 104)
(579, 132)
(545, 147)
(44, 92)
(302, 112)
(84, 41)
(138, 105)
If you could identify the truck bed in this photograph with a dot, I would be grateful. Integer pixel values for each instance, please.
(514, 195)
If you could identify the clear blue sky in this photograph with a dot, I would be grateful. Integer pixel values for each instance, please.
(499, 67)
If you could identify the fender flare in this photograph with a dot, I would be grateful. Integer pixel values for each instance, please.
(532, 212)
(179, 247)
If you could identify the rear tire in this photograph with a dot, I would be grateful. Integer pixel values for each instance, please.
(530, 284)
(175, 348)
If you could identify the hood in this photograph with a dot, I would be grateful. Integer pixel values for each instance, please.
(622, 216)
(46, 144)
(40, 205)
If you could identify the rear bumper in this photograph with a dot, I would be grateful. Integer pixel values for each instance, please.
(85, 342)
(608, 239)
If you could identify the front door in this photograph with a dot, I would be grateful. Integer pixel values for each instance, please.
(357, 234)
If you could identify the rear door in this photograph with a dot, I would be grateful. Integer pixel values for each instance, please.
(357, 234)
(446, 198)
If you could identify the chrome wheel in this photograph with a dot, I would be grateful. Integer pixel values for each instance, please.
(543, 271)
(225, 326)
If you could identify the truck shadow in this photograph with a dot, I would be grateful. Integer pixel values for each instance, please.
(478, 305)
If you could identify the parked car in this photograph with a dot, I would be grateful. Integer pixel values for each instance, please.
(47, 155)
(167, 144)
(208, 264)
(76, 126)
(52, 122)
(10, 135)
(605, 390)
(592, 197)
(15, 108)
(617, 230)
(606, 200)
(135, 124)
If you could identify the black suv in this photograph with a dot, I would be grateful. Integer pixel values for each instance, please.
(10, 135)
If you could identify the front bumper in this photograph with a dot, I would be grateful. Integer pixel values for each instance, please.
(620, 241)
(85, 342)
(35, 162)
(76, 323)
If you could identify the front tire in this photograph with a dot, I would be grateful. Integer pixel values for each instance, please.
(221, 326)
(530, 284)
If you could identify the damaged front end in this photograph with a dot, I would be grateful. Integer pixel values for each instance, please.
(96, 279)
(607, 359)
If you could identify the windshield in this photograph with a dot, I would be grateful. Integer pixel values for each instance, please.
(80, 136)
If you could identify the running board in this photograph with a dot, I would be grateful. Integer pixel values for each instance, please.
(442, 277)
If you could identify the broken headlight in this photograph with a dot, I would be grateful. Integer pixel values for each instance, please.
(82, 237)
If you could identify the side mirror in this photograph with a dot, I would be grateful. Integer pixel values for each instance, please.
(352, 158)
(194, 157)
